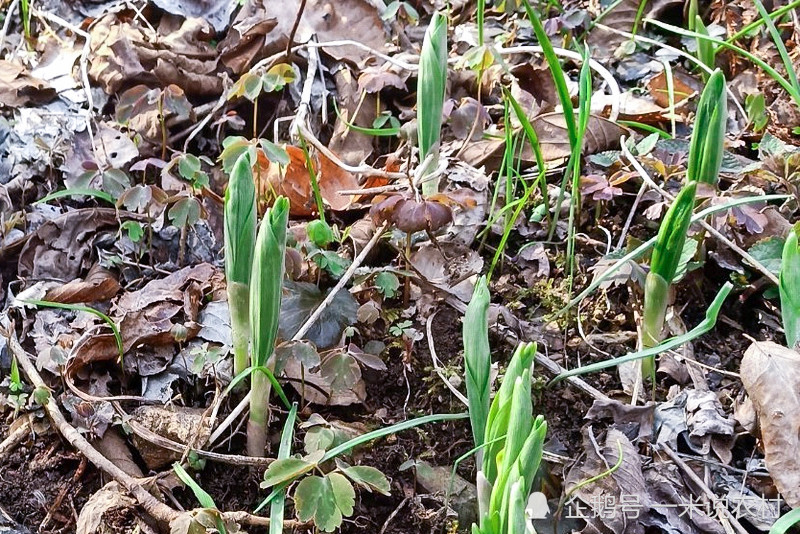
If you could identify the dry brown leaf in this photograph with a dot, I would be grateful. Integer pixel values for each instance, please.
(771, 375)
(62, 248)
(18, 88)
(601, 135)
(352, 147)
(100, 284)
(99, 514)
(123, 55)
(330, 21)
(294, 182)
(684, 86)
(187, 426)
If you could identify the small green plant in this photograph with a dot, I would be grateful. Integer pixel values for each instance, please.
(790, 288)
(508, 439)
(329, 497)
(478, 361)
(430, 100)
(705, 158)
(513, 443)
(240, 237)
(16, 390)
(706, 147)
(266, 284)
(663, 266)
(199, 520)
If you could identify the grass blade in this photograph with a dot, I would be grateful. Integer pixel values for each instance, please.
(790, 288)
(276, 509)
(705, 325)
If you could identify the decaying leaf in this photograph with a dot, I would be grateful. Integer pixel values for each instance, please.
(18, 88)
(186, 426)
(99, 285)
(294, 182)
(124, 54)
(103, 509)
(551, 128)
(411, 214)
(771, 375)
(299, 302)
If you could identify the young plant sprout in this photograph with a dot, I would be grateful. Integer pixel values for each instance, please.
(430, 99)
(240, 238)
(663, 266)
(513, 443)
(705, 159)
(478, 361)
(508, 438)
(708, 137)
(265, 305)
(790, 288)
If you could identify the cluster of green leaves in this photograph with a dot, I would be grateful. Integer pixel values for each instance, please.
(508, 439)
(328, 497)
(513, 444)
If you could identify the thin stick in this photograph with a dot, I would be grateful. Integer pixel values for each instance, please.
(460, 396)
(357, 261)
(718, 504)
(153, 506)
(296, 24)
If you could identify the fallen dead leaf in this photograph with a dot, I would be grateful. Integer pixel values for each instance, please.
(771, 375)
(19, 88)
(99, 285)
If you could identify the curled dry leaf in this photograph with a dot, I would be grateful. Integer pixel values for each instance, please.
(124, 54)
(99, 285)
(18, 88)
(771, 375)
(99, 513)
(62, 248)
(294, 182)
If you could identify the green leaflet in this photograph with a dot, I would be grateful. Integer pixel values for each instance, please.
(790, 288)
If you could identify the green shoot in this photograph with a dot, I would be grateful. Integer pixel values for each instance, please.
(647, 245)
(778, 40)
(284, 451)
(478, 360)
(78, 307)
(511, 463)
(201, 495)
(585, 94)
(706, 147)
(758, 22)
(240, 237)
(790, 288)
(77, 191)
(706, 50)
(763, 65)
(430, 99)
(265, 302)
(361, 440)
(664, 264)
